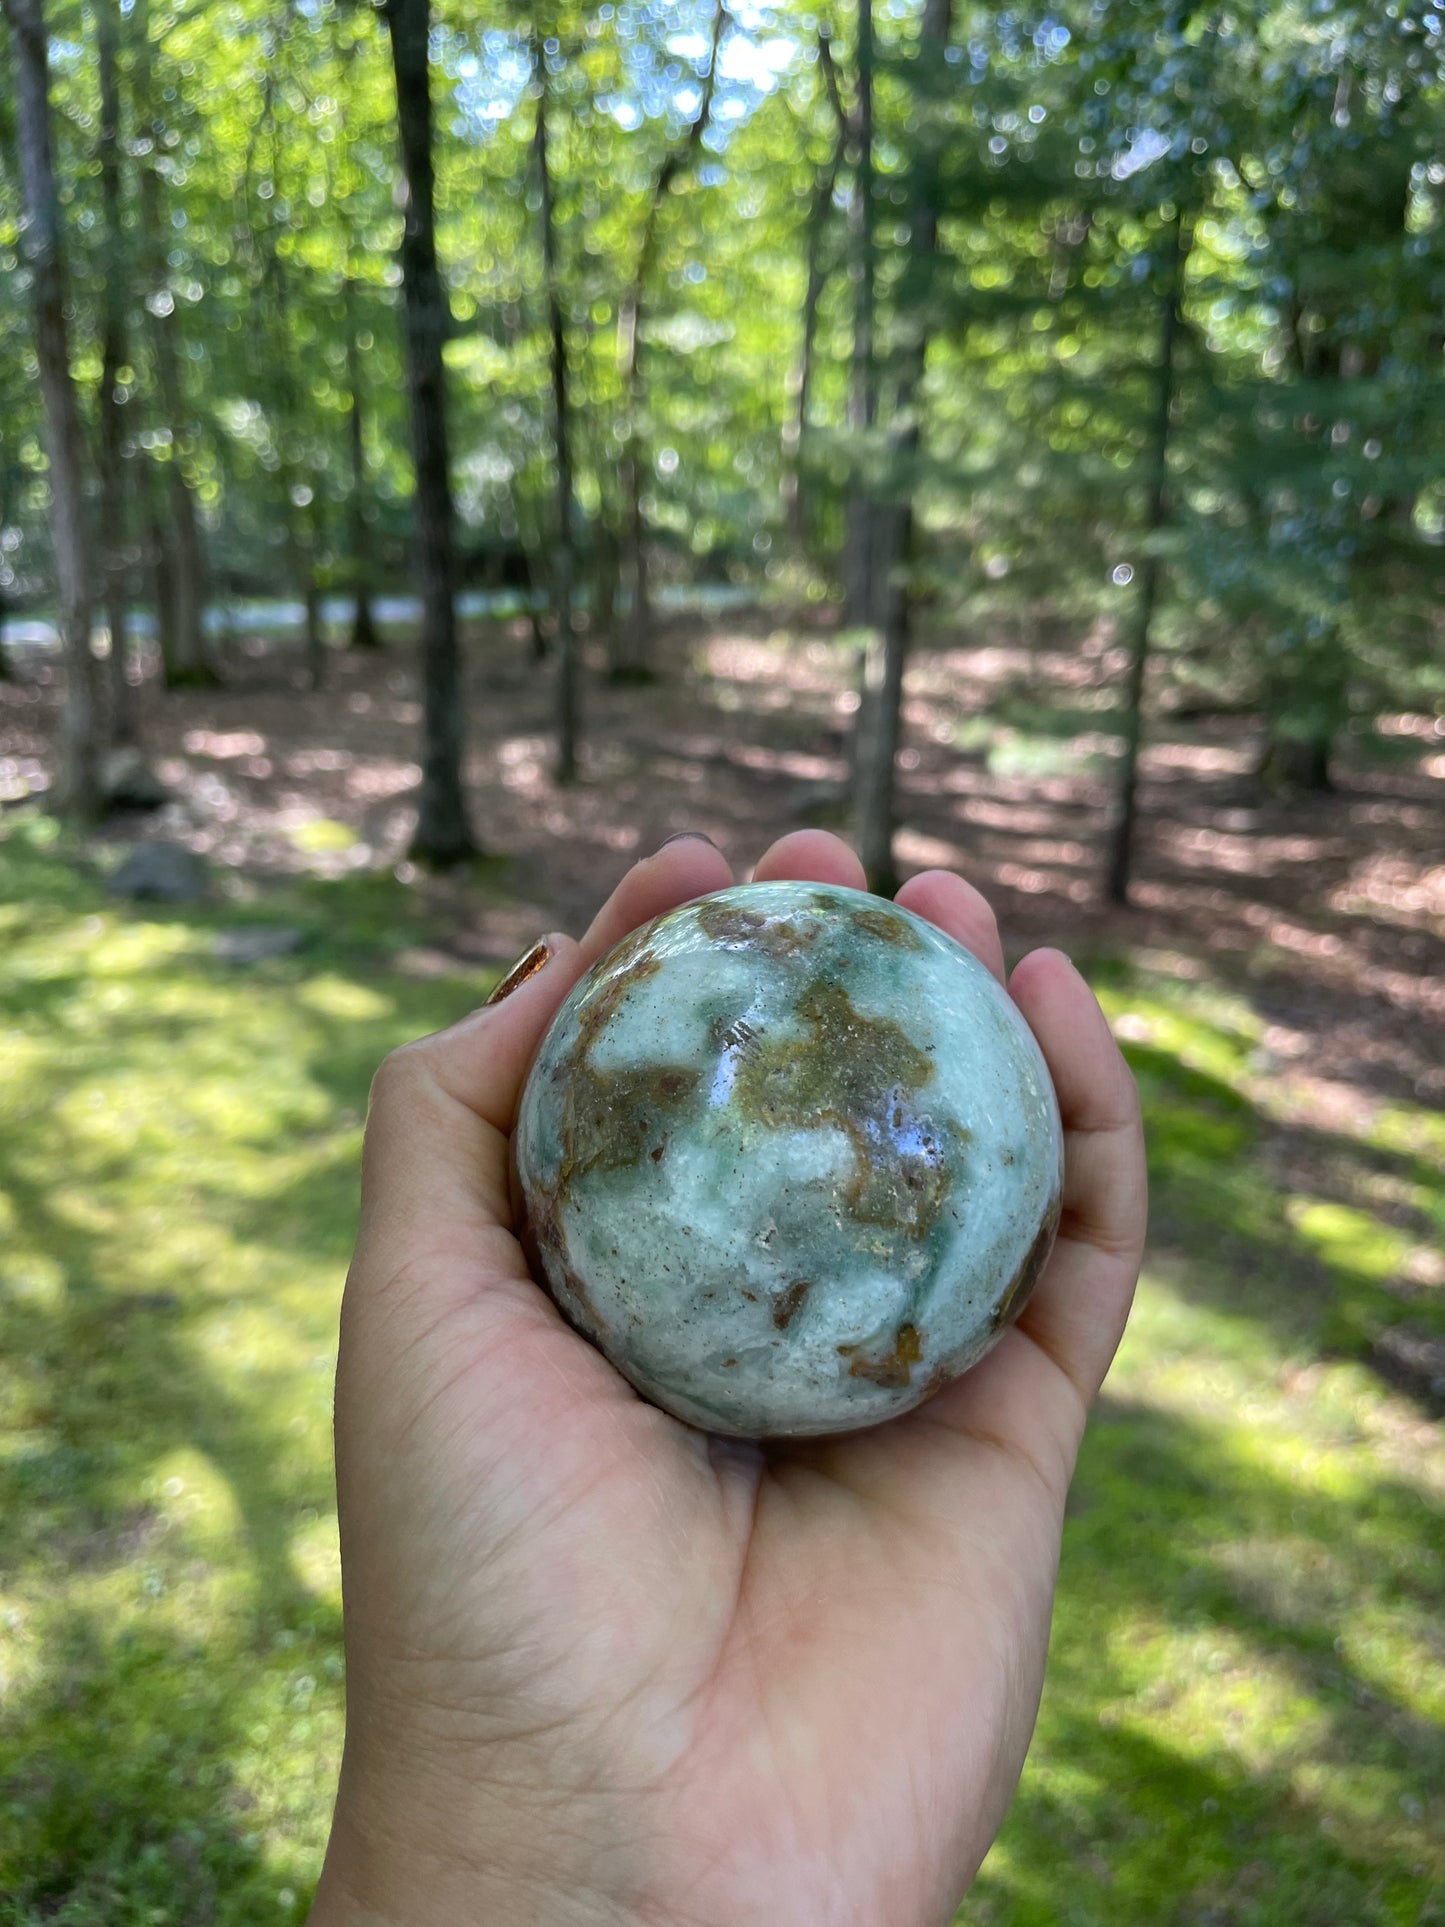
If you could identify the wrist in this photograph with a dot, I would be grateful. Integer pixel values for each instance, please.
(408, 1857)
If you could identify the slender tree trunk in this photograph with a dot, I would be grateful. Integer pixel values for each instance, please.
(10, 160)
(443, 834)
(44, 254)
(1298, 763)
(563, 567)
(800, 382)
(8, 479)
(300, 509)
(188, 659)
(124, 731)
(890, 527)
(311, 541)
(860, 588)
(7, 674)
(158, 563)
(885, 656)
(631, 655)
(298, 503)
(605, 570)
(363, 632)
(1121, 841)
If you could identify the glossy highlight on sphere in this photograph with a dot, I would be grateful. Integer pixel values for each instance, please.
(791, 1158)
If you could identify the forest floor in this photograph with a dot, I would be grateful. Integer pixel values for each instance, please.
(1242, 1726)
(1331, 908)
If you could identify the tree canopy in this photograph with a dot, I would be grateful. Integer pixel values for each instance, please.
(792, 266)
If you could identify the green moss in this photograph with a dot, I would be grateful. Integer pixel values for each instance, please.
(1243, 1714)
(1242, 1720)
(178, 1156)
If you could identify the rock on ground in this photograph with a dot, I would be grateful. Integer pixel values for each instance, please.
(161, 873)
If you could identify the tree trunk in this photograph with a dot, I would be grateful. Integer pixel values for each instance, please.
(298, 510)
(632, 644)
(890, 528)
(563, 567)
(1121, 842)
(311, 598)
(7, 674)
(363, 632)
(7, 484)
(123, 731)
(158, 564)
(605, 572)
(298, 503)
(44, 254)
(443, 834)
(875, 754)
(795, 426)
(1298, 763)
(299, 506)
(188, 657)
(8, 476)
(860, 557)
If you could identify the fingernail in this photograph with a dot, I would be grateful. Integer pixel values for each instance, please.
(527, 965)
(697, 836)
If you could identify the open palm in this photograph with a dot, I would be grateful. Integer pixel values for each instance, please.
(602, 1667)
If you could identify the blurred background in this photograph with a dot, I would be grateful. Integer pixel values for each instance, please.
(443, 452)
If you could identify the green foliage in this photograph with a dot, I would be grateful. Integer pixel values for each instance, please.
(1242, 1713)
(1299, 142)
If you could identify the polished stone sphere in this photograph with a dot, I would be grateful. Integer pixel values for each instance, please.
(791, 1158)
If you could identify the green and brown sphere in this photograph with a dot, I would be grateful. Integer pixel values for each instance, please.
(791, 1158)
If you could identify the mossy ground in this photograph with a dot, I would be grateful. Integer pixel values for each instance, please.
(1242, 1722)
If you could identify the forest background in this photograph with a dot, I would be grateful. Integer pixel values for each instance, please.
(444, 449)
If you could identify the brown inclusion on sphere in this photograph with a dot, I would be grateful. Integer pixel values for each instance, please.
(778, 938)
(610, 1119)
(1021, 1286)
(890, 927)
(895, 1369)
(862, 1075)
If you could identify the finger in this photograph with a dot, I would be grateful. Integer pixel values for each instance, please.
(685, 867)
(435, 1152)
(1077, 1314)
(1104, 1193)
(1015, 1421)
(1029, 1398)
(814, 855)
(958, 910)
(434, 1163)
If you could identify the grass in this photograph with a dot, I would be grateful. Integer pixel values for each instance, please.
(1242, 1720)
(178, 1155)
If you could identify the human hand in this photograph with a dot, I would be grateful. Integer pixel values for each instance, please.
(602, 1668)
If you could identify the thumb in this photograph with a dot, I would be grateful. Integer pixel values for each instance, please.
(434, 1163)
(434, 1166)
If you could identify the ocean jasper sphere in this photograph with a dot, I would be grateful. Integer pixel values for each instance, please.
(790, 1158)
